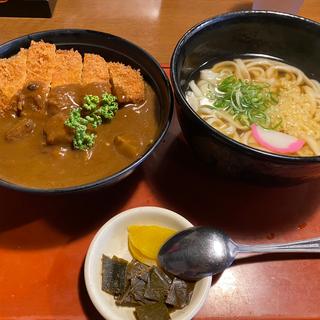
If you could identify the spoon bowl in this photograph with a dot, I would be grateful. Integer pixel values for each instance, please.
(198, 252)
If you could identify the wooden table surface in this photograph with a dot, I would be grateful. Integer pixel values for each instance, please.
(155, 25)
(43, 240)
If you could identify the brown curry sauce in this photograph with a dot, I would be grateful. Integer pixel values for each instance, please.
(36, 146)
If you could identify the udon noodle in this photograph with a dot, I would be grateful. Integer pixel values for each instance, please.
(295, 110)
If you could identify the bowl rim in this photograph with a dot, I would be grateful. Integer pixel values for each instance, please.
(264, 155)
(206, 282)
(125, 171)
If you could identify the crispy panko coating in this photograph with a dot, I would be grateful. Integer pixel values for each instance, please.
(41, 62)
(12, 78)
(127, 83)
(95, 69)
(68, 68)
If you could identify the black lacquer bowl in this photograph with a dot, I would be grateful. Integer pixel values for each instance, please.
(111, 48)
(293, 39)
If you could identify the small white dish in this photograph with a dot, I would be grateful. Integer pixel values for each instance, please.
(112, 239)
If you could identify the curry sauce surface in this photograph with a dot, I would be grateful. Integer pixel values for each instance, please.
(31, 162)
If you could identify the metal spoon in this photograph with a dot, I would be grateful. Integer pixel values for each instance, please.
(198, 252)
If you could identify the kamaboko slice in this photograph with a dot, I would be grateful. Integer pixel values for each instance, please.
(276, 141)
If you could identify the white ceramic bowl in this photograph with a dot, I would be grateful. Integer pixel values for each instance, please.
(112, 239)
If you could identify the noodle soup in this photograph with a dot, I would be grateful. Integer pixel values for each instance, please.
(263, 103)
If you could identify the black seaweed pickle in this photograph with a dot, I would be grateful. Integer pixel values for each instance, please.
(137, 269)
(158, 285)
(180, 293)
(156, 311)
(113, 275)
(147, 288)
(136, 280)
(134, 294)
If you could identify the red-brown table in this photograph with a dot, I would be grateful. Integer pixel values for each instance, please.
(43, 240)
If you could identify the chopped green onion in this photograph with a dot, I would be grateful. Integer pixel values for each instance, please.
(246, 100)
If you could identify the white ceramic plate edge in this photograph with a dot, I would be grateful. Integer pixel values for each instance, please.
(89, 267)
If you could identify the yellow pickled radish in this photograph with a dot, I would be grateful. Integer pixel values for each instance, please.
(148, 239)
(139, 256)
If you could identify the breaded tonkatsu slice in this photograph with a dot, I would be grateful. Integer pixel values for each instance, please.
(12, 78)
(95, 69)
(41, 62)
(127, 83)
(68, 68)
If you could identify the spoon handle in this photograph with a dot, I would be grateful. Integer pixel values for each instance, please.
(310, 245)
